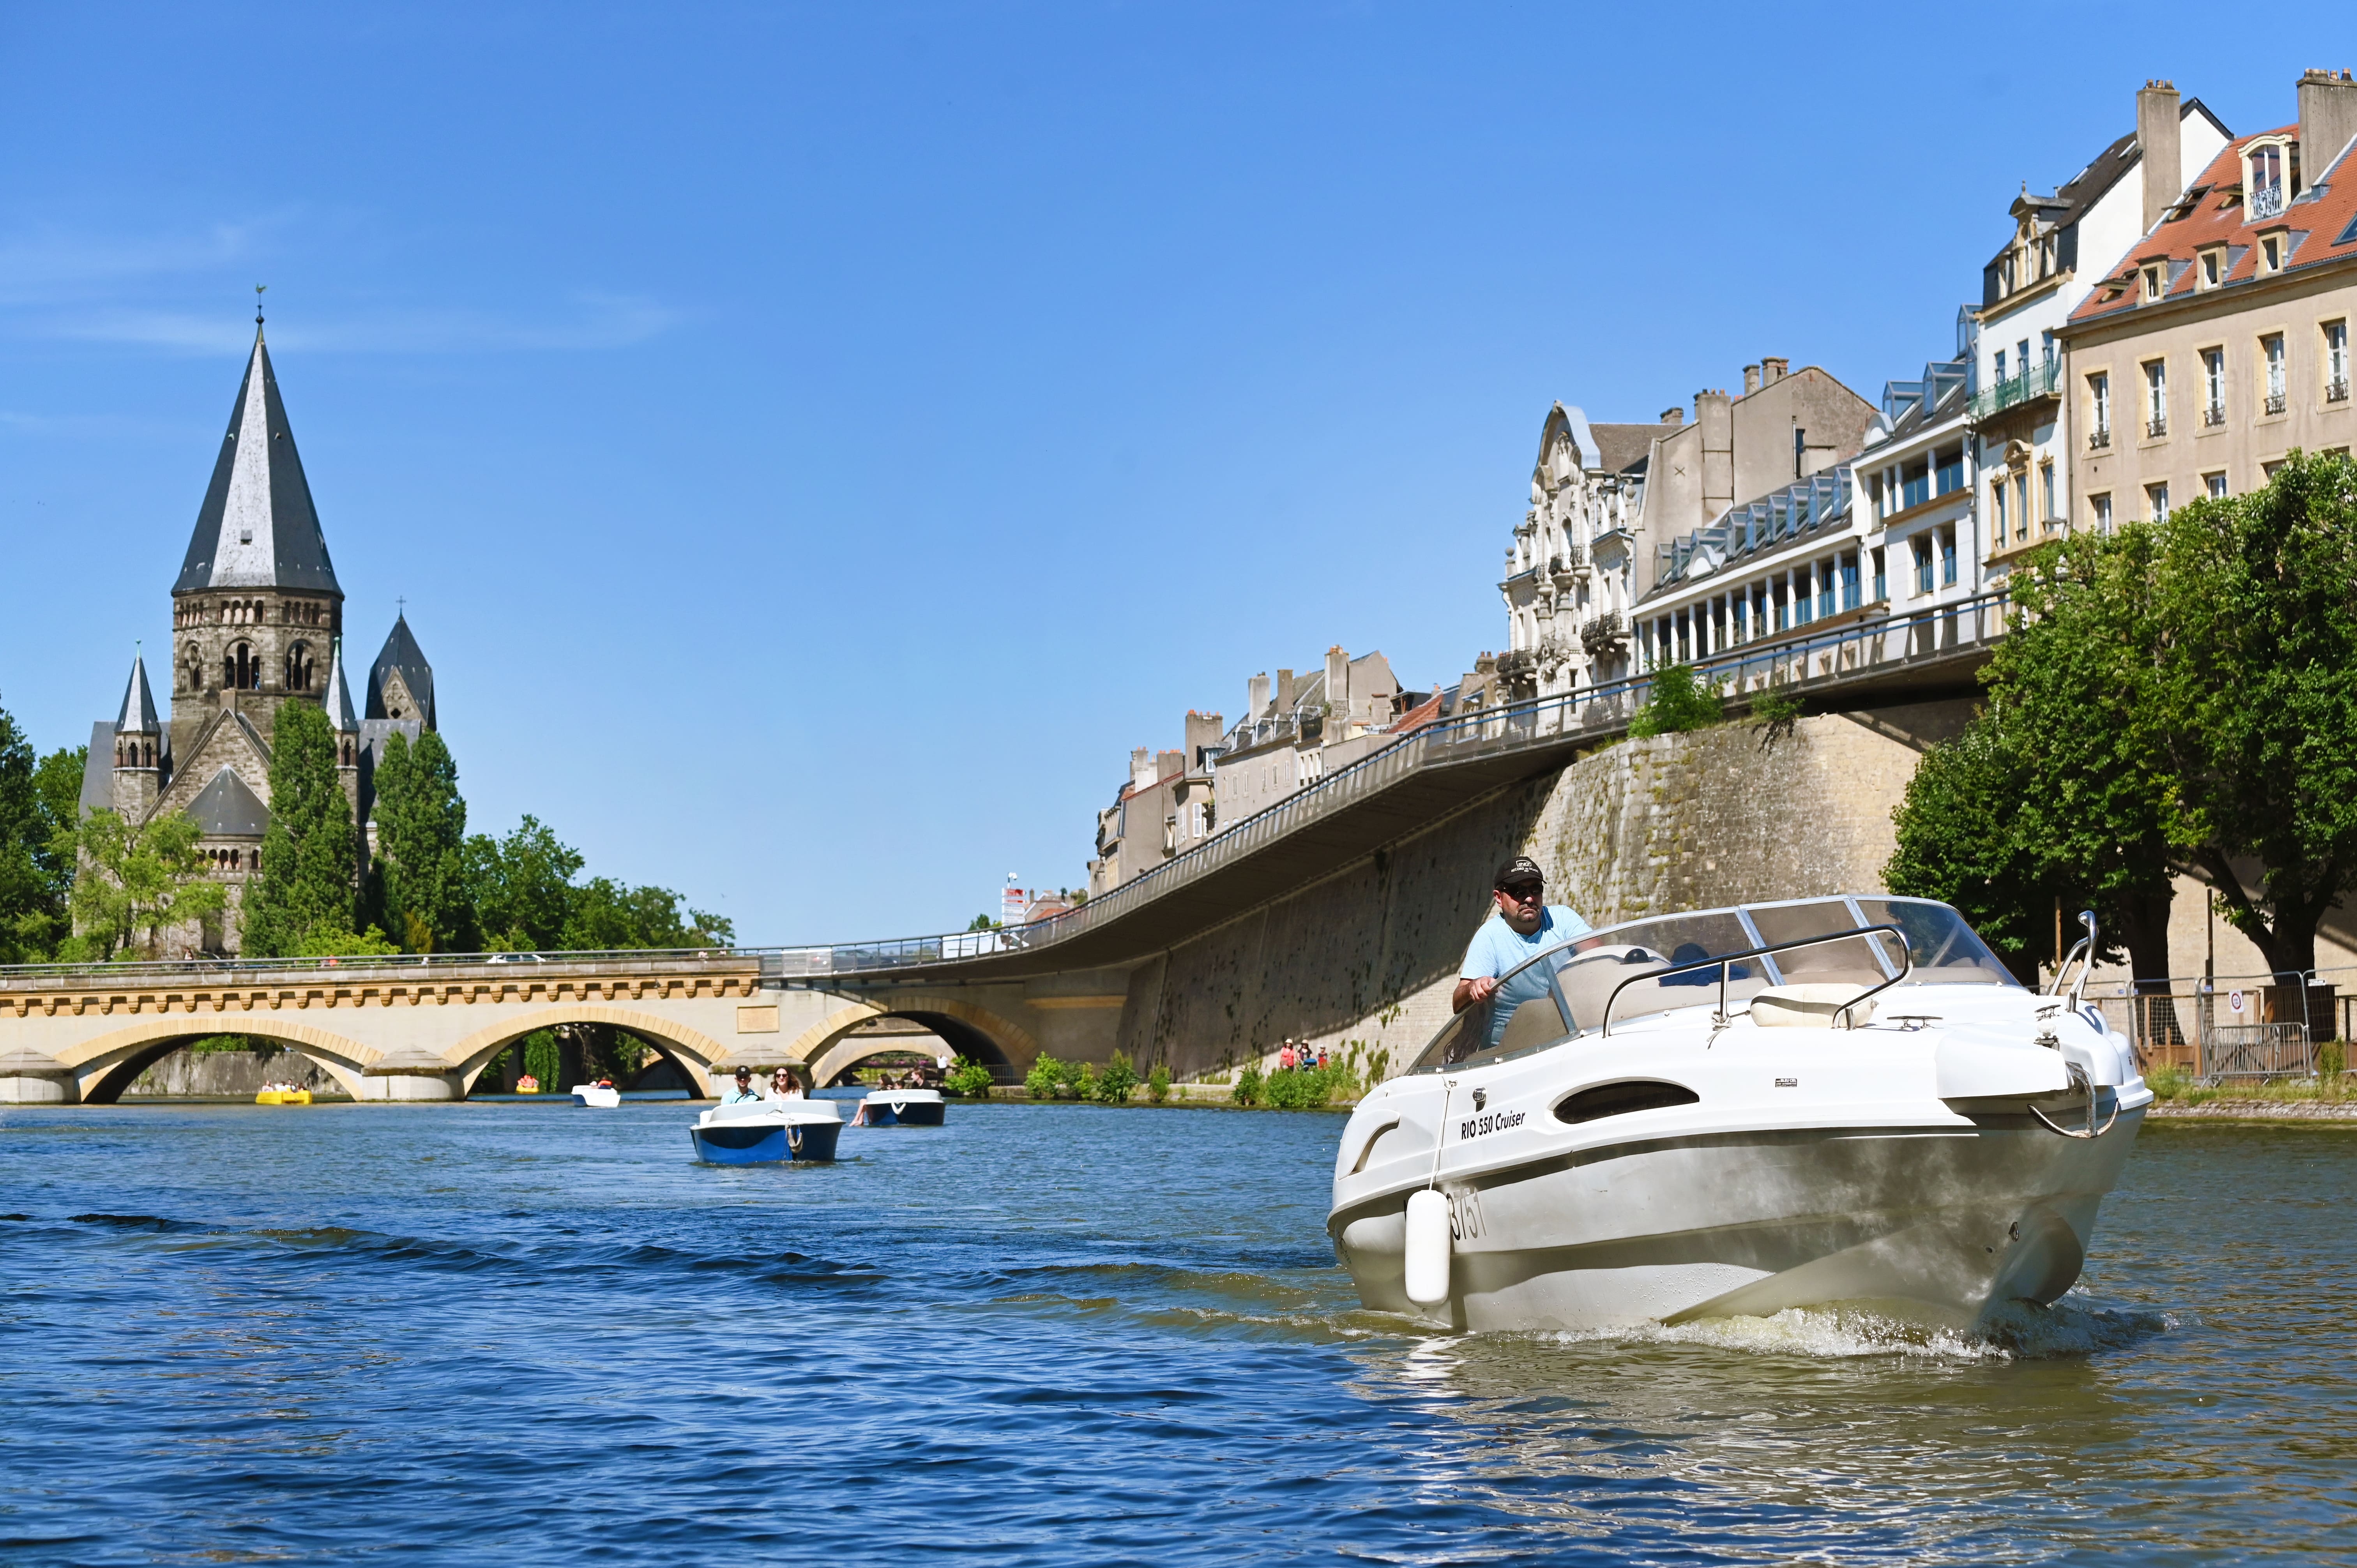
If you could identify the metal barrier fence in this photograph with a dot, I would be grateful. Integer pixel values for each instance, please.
(1886, 644)
(2249, 1027)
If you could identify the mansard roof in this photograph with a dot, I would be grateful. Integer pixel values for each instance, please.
(257, 527)
(2317, 226)
(402, 655)
(226, 808)
(137, 713)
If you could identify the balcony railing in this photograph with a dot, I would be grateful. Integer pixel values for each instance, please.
(2214, 415)
(2266, 201)
(1604, 634)
(2337, 390)
(2274, 402)
(2033, 382)
(2157, 426)
(2101, 439)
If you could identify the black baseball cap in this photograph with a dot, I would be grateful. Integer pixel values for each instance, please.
(744, 1072)
(1522, 868)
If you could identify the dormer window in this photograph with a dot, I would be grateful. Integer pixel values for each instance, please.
(2156, 280)
(2263, 190)
(2212, 266)
(2271, 249)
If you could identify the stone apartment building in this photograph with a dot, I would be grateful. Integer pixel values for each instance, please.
(1890, 526)
(257, 622)
(2220, 341)
(2061, 244)
(1293, 732)
(1610, 502)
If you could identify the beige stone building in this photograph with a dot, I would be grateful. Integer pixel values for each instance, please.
(2220, 342)
(2060, 244)
(1612, 505)
(257, 622)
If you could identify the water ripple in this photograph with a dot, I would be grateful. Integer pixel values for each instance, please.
(1062, 1336)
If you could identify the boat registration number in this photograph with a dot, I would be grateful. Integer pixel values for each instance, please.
(1494, 1121)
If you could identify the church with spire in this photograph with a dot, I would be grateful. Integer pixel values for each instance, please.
(257, 622)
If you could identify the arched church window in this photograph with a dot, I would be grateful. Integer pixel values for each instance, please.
(192, 670)
(240, 670)
(298, 667)
(149, 748)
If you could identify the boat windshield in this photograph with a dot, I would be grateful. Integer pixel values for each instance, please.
(1564, 991)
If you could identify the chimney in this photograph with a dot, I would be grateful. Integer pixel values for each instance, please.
(1203, 732)
(2328, 119)
(1257, 695)
(1285, 690)
(2157, 149)
(1772, 370)
(1141, 768)
(1715, 415)
(1338, 684)
(1673, 416)
(1751, 380)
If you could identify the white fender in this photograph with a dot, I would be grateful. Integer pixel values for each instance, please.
(1427, 1248)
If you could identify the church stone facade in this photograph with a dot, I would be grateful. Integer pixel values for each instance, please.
(257, 622)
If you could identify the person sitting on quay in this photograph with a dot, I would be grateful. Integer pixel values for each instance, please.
(743, 1093)
(1521, 926)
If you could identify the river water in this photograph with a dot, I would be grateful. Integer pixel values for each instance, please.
(533, 1334)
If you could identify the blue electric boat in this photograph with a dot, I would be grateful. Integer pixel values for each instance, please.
(767, 1132)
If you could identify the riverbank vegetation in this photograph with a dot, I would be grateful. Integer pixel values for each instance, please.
(2175, 693)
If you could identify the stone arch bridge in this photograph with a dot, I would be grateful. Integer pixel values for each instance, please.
(425, 1028)
(1335, 915)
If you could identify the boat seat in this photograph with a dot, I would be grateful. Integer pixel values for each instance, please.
(1811, 1007)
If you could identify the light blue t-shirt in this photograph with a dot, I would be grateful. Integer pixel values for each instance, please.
(1497, 946)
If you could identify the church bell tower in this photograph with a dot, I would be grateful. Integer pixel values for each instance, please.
(256, 609)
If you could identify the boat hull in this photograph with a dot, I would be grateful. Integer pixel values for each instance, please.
(885, 1111)
(1936, 1221)
(766, 1142)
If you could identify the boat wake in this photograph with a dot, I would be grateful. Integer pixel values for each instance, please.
(2077, 1325)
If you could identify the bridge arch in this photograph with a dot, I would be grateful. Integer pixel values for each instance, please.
(696, 1055)
(974, 1031)
(105, 1067)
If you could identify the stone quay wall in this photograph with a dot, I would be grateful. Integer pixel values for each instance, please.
(1364, 959)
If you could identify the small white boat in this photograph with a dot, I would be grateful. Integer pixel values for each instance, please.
(605, 1096)
(767, 1132)
(1735, 1111)
(901, 1108)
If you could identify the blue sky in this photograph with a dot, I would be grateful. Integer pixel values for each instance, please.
(816, 443)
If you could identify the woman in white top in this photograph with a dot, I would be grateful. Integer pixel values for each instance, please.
(783, 1086)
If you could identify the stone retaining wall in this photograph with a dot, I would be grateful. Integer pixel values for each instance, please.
(1366, 957)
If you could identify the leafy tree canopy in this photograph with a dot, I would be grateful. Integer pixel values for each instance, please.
(1678, 702)
(304, 893)
(39, 801)
(137, 883)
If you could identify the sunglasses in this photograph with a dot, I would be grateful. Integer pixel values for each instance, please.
(1525, 892)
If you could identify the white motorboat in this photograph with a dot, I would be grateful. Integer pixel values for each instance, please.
(767, 1132)
(604, 1096)
(1739, 1111)
(901, 1108)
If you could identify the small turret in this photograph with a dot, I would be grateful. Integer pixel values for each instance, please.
(141, 754)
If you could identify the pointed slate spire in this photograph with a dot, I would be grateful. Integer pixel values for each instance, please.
(137, 714)
(340, 695)
(401, 686)
(258, 528)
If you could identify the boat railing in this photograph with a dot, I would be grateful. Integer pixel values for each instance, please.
(1724, 962)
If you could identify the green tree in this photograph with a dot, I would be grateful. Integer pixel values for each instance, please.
(304, 893)
(38, 802)
(521, 886)
(2258, 697)
(136, 883)
(1678, 702)
(1956, 843)
(606, 915)
(421, 831)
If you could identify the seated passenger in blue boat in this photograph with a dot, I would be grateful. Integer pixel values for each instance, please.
(744, 1092)
(1521, 926)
